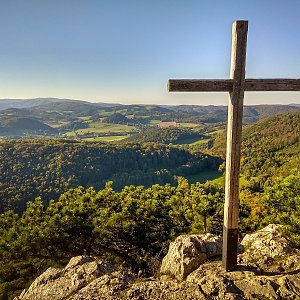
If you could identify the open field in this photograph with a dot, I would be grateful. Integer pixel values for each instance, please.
(191, 141)
(111, 131)
(85, 118)
(200, 142)
(189, 125)
(204, 176)
(221, 181)
(59, 124)
(98, 127)
(215, 132)
(154, 122)
(110, 138)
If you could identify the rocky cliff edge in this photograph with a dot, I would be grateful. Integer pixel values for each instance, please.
(268, 269)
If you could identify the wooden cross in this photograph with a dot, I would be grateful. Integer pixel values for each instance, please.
(236, 86)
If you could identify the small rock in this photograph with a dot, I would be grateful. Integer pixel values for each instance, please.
(78, 260)
(188, 252)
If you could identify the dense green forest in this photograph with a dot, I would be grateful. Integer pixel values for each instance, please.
(22, 126)
(47, 168)
(117, 118)
(170, 135)
(270, 147)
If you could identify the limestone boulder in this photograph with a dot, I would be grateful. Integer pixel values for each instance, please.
(245, 283)
(106, 287)
(265, 247)
(60, 283)
(188, 252)
(268, 241)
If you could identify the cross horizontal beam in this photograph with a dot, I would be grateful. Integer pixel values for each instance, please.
(226, 85)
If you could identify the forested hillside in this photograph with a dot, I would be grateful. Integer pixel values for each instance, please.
(22, 126)
(214, 114)
(171, 135)
(30, 168)
(270, 147)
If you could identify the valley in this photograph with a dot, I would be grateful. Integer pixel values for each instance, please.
(101, 122)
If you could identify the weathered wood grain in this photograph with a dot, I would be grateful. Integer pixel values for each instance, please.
(208, 85)
(262, 85)
(226, 85)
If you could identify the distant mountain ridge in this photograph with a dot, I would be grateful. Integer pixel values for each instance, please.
(252, 113)
(29, 103)
(199, 109)
(26, 103)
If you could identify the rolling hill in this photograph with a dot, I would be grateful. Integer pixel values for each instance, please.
(269, 147)
(23, 126)
(213, 114)
(62, 114)
(28, 103)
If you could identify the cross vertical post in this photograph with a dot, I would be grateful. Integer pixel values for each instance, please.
(233, 151)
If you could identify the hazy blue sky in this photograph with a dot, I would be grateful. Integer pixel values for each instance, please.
(124, 51)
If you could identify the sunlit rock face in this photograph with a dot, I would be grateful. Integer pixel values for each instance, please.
(188, 252)
(60, 283)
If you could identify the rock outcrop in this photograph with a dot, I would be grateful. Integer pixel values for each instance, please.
(267, 247)
(245, 283)
(61, 283)
(188, 252)
(268, 269)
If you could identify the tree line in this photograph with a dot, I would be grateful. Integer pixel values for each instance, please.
(165, 135)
